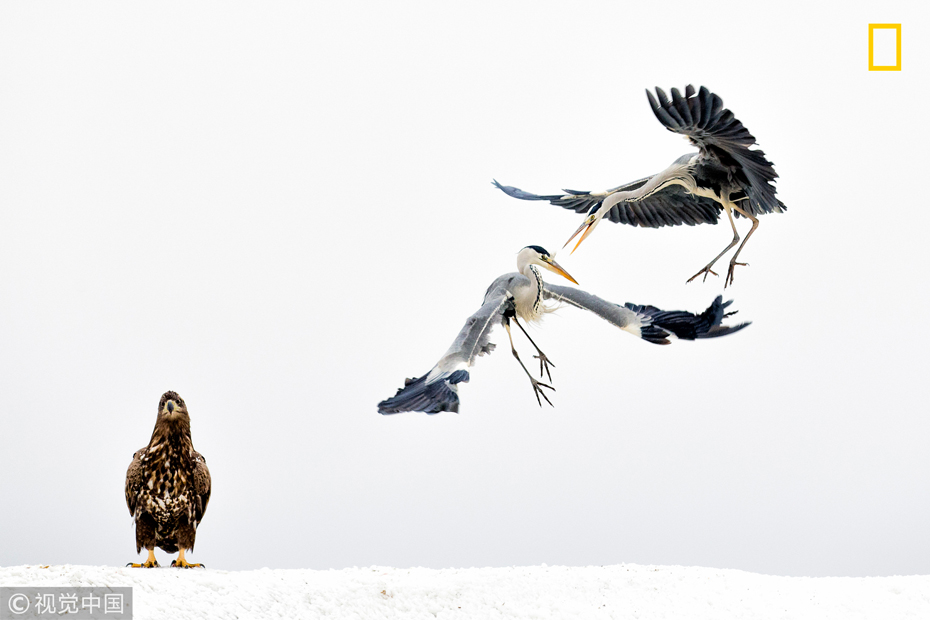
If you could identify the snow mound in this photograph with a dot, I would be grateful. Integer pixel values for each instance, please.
(622, 591)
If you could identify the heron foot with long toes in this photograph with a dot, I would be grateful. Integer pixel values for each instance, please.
(706, 270)
(536, 388)
(536, 384)
(729, 279)
(733, 263)
(544, 364)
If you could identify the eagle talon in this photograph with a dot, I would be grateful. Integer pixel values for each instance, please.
(180, 562)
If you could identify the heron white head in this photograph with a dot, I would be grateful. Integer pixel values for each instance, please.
(536, 255)
(590, 222)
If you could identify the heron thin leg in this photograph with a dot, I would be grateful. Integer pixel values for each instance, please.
(733, 263)
(726, 207)
(543, 359)
(536, 384)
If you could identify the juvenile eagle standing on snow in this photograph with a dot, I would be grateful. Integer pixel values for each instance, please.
(168, 486)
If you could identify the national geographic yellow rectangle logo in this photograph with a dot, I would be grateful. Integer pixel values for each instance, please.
(882, 49)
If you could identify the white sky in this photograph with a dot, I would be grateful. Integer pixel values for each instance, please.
(283, 211)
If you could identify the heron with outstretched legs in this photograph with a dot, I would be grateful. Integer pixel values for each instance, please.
(725, 174)
(523, 296)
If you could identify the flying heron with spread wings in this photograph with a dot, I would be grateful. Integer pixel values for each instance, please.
(522, 295)
(724, 174)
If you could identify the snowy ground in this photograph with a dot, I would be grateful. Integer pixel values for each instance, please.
(623, 591)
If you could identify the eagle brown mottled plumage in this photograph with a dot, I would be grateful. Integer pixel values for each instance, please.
(168, 485)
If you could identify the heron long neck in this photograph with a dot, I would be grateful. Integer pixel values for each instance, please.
(535, 276)
(679, 173)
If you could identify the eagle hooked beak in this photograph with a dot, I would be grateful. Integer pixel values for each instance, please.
(170, 406)
(588, 225)
(553, 266)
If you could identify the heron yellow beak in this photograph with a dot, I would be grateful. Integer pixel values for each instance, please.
(587, 227)
(551, 265)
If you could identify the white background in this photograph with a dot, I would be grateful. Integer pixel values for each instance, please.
(281, 211)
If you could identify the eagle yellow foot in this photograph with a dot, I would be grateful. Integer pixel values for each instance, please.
(150, 562)
(182, 563)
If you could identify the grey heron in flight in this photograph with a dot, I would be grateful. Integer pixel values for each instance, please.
(725, 173)
(522, 295)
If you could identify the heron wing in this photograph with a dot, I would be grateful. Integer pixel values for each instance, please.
(670, 206)
(720, 135)
(437, 390)
(648, 322)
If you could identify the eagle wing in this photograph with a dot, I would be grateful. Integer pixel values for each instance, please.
(202, 485)
(134, 477)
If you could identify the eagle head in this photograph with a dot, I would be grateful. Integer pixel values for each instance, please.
(171, 406)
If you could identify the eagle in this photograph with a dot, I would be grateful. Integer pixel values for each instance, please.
(168, 486)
